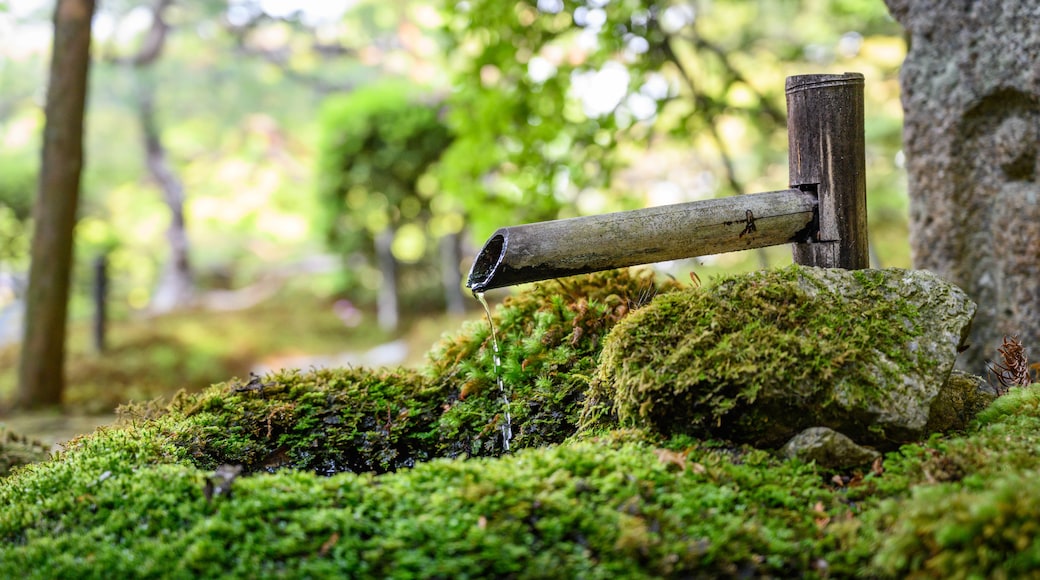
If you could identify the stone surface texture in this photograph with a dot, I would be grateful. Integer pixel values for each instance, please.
(971, 92)
(828, 448)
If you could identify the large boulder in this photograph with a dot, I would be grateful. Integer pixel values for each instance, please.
(759, 358)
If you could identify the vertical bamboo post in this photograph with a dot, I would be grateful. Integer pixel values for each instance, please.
(827, 156)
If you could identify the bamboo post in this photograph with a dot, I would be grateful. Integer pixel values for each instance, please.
(826, 141)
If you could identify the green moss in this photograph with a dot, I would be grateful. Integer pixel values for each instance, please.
(595, 509)
(695, 361)
(138, 500)
(130, 502)
(550, 339)
(951, 532)
(325, 421)
(359, 420)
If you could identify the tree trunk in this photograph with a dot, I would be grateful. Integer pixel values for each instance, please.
(41, 378)
(451, 276)
(387, 309)
(972, 98)
(176, 286)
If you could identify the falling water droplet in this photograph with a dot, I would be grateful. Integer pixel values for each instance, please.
(507, 426)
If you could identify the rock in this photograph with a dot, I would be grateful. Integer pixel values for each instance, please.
(828, 449)
(760, 357)
(960, 399)
(971, 94)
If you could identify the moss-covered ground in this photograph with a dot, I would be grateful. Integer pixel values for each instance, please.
(393, 473)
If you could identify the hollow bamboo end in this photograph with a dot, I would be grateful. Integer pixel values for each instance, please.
(806, 82)
(488, 261)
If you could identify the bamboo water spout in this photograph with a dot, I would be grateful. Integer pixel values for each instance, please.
(554, 249)
(823, 214)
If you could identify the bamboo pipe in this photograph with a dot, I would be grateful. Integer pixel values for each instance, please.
(554, 249)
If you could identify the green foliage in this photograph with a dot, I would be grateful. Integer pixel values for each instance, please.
(17, 192)
(537, 123)
(377, 143)
(192, 350)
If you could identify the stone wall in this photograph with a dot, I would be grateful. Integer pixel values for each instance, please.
(971, 92)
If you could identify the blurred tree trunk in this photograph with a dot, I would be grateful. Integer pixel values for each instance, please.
(387, 308)
(41, 378)
(451, 277)
(176, 287)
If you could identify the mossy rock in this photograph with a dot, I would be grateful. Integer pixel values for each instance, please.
(760, 357)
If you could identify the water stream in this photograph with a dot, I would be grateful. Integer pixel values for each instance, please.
(507, 426)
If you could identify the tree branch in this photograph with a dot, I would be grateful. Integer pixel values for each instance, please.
(778, 116)
(154, 41)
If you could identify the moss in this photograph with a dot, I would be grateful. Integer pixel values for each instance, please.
(950, 531)
(550, 339)
(962, 398)
(695, 361)
(359, 420)
(325, 421)
(139, 500)
(130, 502)
(600, 508)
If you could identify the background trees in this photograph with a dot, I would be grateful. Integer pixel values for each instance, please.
(377, 144)
(553, 97)
(555, 109)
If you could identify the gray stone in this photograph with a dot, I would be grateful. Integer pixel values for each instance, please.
(828, 448)
(971, 92)
(761, 357)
